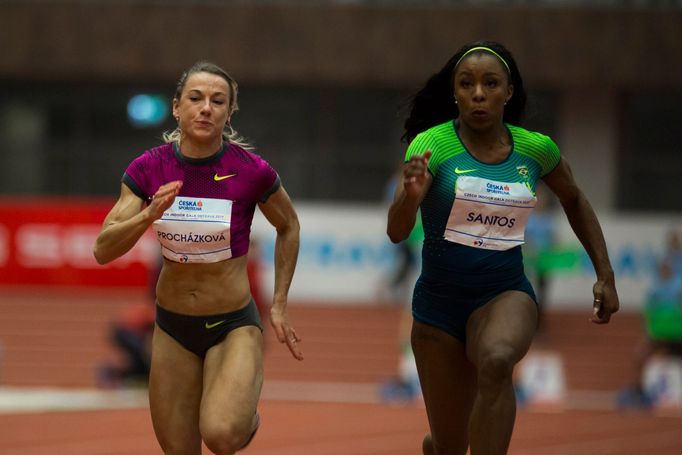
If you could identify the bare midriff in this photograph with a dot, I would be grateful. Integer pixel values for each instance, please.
(202, 289)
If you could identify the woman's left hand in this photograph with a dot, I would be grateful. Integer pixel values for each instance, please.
(605, 301)
(285, 333)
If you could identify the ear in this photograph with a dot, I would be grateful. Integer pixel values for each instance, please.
(176, 112)
(510, 93)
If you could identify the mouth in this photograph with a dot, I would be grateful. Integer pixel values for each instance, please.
(203, 124)
(479, 114)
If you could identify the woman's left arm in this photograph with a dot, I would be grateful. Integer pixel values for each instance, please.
(280, 212)
(586, 226)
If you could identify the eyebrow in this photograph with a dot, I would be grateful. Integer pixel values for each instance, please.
(190, 90)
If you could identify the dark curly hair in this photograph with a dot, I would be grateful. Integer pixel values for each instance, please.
(434, 103)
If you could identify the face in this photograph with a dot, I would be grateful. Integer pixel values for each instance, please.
(203, 108)
(481, 88)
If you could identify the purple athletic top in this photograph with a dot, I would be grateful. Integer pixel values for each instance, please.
(210, 219)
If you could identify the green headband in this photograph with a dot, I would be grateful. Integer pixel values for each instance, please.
(487, 49)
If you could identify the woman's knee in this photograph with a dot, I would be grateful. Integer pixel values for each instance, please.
(495, 367)
(225, 438)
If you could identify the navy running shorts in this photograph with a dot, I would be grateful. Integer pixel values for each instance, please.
(448, 302)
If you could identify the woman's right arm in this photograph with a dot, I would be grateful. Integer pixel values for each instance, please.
(414, 182)
(127, 221)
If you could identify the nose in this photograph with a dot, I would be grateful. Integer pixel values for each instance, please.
(479, 93)
(206, 106)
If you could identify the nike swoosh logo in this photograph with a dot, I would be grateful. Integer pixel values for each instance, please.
(218, 178)
(463, 171)
(215, 324)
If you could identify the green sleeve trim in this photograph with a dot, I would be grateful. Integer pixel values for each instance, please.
(420, 144)
(538, 147)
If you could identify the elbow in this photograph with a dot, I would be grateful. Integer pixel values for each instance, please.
(291, 228)
(394, 236)
(100, 257)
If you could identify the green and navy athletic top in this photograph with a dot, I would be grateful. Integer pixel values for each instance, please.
(474, 213)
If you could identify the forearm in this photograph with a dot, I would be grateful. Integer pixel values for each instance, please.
(401, 217)
(286, 255)
(116, 239)
(585, 225)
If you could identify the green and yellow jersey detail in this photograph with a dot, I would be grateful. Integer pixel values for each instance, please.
(533, 155)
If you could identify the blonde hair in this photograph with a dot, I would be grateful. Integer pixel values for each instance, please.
(229, 134)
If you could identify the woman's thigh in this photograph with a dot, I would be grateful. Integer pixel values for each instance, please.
(505, 326)
(448, 383)
(233, 377)
(175, 387)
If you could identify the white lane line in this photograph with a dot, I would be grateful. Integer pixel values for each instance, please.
(30, 399)
(46, 399)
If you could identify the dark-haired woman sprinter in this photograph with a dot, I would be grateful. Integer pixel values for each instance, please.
(472, 170)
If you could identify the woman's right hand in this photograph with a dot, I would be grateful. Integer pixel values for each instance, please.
(164, 198)
(415, 174)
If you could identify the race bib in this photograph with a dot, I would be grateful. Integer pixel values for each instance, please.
(195, 230)
(489, 214)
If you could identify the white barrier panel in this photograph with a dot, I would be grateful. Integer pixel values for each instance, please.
(345, 252)
(541, 379)
(662, 379)
(635, 244)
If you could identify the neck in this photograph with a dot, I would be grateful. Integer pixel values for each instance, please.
(491, 136)
(489, 145)
(196, 149)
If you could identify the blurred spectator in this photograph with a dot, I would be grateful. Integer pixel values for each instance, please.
(397, 285)
(673, 251)
(663, 327)
(540, 237)
(404, 387)
(131, 335)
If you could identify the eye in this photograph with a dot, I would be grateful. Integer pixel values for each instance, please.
(465, 83)
(194, 98)
(492, 83)
(219, 102)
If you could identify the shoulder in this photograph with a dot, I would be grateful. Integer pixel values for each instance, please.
(442, 132)
(531, 140)
(433, 138)
(537, 146)
(158, 153)
(247, 159)
(142, 170)
(239, 153)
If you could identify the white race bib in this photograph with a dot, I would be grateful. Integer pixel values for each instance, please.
(489, 214)
(195, 230)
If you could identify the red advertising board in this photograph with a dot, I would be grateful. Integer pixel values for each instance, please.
(48, 241)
